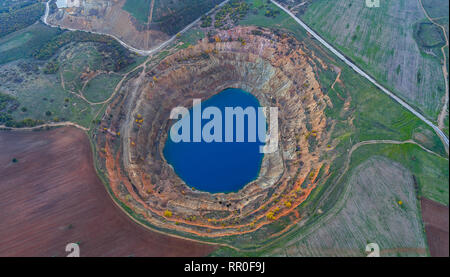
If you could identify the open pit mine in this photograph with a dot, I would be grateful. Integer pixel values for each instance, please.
(274, 67)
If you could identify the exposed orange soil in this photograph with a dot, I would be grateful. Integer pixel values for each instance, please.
(116, 178)
(52, 196)
(436, 219)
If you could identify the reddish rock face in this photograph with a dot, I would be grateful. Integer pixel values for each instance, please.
(274, 68)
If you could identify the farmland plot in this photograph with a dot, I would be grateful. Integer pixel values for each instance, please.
(381, 41)
(381, 207)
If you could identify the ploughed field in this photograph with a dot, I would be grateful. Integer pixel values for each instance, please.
(51, 196)
(435, 217)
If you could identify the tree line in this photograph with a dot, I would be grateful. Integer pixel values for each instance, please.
(17, 19)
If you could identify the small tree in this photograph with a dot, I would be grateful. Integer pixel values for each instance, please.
(168, 213)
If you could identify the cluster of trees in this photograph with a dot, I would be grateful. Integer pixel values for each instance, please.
(112, 49)
(19, 18)
(27, 122)
(206, 21)
(235, 10)
(271, 13)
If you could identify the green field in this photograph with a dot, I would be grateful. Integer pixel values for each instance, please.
(101, 87)
(23, 43)
(436, 8)
(370, 213)
(431, 172)
(46, 95)
(191, 37)
(139, 9)
(430, 35)
(381, 41)
(56, 95)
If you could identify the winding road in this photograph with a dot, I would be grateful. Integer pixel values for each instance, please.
(358, 70)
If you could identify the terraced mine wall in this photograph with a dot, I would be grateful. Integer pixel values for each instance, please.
(277, 71)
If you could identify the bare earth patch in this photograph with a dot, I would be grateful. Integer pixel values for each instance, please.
(52, 196)
(435, 217)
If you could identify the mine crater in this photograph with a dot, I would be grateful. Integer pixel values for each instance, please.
(273, 67)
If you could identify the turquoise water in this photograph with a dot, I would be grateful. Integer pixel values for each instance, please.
(217, 166)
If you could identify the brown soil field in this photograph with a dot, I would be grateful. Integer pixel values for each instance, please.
(436, 219)
(52, 196)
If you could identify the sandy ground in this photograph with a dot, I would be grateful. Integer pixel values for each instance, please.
(52, 197)
(436, 220)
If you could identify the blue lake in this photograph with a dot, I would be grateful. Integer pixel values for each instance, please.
(217, 166)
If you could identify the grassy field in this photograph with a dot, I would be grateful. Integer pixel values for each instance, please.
(430, 35)
(139, 9)
(173, 16)
(23, 43)
(100, 88)
(436, 8)
(364, 207)
(59, 93)
(45, 95)
(191, 37)
(381, 41)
